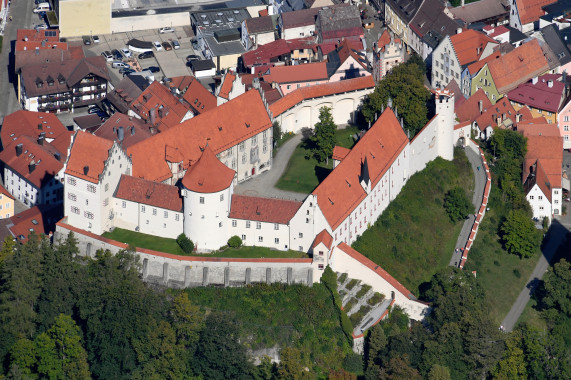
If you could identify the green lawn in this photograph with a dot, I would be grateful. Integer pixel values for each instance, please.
(414, 236)
(303, 172)
(166, 245)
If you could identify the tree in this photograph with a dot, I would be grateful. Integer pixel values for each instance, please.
(398, 368)
(557, 291)
(457, 204)
(291, 365)
(404, 85)
(513, 364)
(376, 342)
(324, 135)
(438, 372)
(277, 130)
(185, 243)
(7, 251)
(519, 234)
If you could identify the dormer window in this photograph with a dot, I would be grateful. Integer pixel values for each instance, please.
(60, 79)
(50, 81)
(39, 82)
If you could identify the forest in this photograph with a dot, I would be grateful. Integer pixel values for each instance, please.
(65, 316)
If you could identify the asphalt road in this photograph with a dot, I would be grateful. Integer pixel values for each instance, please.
(555, 236)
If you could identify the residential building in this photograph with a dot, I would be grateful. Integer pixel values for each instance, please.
(487, 12)
(388, 53)
(563, 124)
(544, 96)
(230, 88)
(63, 86)
(92, 173)
(471, 70)
(346, 63)
(6, 203)
(126, 92)
(399, 14)
(258, 31)
(298, 24)
(525, 14)
(289, 78)
(505, 34)
(455, 52)
(126, 130)
(40, 220)
(560, 51)
(198, 97)
(280, 52)
(339, 22)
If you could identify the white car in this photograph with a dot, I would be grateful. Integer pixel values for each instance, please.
(126, 52)
(167, 29)
(158, 46)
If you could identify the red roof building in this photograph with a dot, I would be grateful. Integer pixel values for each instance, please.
(149, 193)
(200, 177)
(87, 157)
(266, 210)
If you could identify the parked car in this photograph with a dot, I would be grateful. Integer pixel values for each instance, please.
(167, 29)
(95, 39)
(108, 56)
(194, 44)
(126, 52)
(167, 46)
(158, 45)
(147, 54)
(41, 26)
(128, 71)
(154, 69)
(192, 57)
(86, 40)
(175, 44)
(94, 109)
(117, 54)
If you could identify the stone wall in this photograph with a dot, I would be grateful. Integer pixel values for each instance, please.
(184, 271)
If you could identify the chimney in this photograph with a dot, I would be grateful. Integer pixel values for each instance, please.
(550, 83)
(37, 51)
(132, 130)
(534, 80)
(40, 126)
(32, 166)
(85, 170)
(57, 156)
(19, 148)
(41, 140)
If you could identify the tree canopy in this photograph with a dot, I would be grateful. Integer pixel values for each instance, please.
(519, 235)
(324, 135)
(457, 204)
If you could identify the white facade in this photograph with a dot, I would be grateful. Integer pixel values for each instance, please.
(349, 69)
(445, 64)
(515, 21)
(539, 203)
(28, 193)
(261, 234)
(147, 219)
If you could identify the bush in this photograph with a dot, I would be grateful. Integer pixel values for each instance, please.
(376, 298)
(364, 289)
(329, 279)
(457, 204)
(351, 284)
(349, 305)
(235, 242)
(185, 243)
(353, 363)
(343, 278)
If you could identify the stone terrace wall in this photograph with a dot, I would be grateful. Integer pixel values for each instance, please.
(184, 271)
(471, 144)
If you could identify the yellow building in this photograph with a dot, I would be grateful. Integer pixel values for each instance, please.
(6, 203)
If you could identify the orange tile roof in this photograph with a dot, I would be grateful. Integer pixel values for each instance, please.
(503, 110)
(149, 193)
(476, 66)
(40, 219)
(227, 84)
(199, 98)
(469, 110)
(159, 107)
(5, 192)
(549, 150)
(339, 152)
(543, 129)
(323, 237)
(208, 174)
(469, 45)
(267, 210)
(306, 72)
(88, 153)
(222, 128)
(384, 39)
(530, 10)
(341, 191)
(518, 66)
(300, 94)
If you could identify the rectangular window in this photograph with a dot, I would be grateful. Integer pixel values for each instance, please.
(201, 200)
(260, 239)
(300, 235)
(243, 237)
(91, 188)
(247, 224)
(75, 210)
(143, 209)
(71, 181)
(71, 196)
(221, 197)
(566, 128)
(276, 226)
(566, 118)
(124, 204)
(531, 197)
(258, 225)
(320, 266)
(154, 211)
(88, 215)
(105, 202)
(166, 214)
(277, 240)
(106, 187)
(176, 217)
(234, 223)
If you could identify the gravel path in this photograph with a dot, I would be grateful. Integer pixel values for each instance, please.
(263, 184)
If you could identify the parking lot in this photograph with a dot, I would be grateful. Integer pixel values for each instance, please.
(171, 63)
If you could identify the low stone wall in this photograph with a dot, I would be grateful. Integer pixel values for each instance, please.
(184, 271)
(471, 144)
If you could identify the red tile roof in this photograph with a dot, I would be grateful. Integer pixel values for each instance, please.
(149, 193)
(547, 94)
(549, 151)
(5, 192)
(539, 129)
(134, 129)
(377, 269)
(227, 84)
(518, 66)
(323, 237)
(469, 45)
(199, 98)
(159, 107)
(502, 110)
(530, 10)
(265, 54)
(300, 94)
(220, 128)
(88, 153)
(341, 190)
(295, 19)
(328, 47)
(40, 219)
(470, 109)
(307, 72)
(262, 24)
(208, 174)
(339, 152)
(36, 164)
(476, 66)
(263, 209)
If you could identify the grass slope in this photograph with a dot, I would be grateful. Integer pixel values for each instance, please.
(166, 245)
(414, 236)
(304, 173)
(282, 315)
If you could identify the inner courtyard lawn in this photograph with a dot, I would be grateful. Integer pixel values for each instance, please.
(166, 245)
(414, 236)
(303, 173)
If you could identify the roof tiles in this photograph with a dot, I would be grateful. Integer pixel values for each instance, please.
(208, 174)
(88, 156)
(267, 210)
(149, 193)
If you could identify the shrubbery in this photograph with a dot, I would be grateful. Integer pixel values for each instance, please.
(457, 204)
(235, 242)
(185, 243)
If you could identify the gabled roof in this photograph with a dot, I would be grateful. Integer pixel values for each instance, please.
(338, 21)
(306, 72)
(199, 98)
(548, 151)
(559, 48)
(159, 107)
(469, 45)
(88, 156)
(36, 163)
(127, 91)
(477, 66)
(149, 193)
(263, 24)
(431, 17)
(208, 174)
(547, 94)
(339, 152)
(221, 128)
(518, 66)
(470, 109)
(341, 191)
(405, 9)
(544, 129)
(530, 10)
(226, 87)
(41, 219)
(269, 210)
(5, 192)
(338, 56)
(134, 129)
(480, 10)
(296, 19)
(502, 110)
(265, 54)
(323, 237)
(303, 93)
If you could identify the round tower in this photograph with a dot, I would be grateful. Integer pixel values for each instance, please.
(444, 100)
(207, 190)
